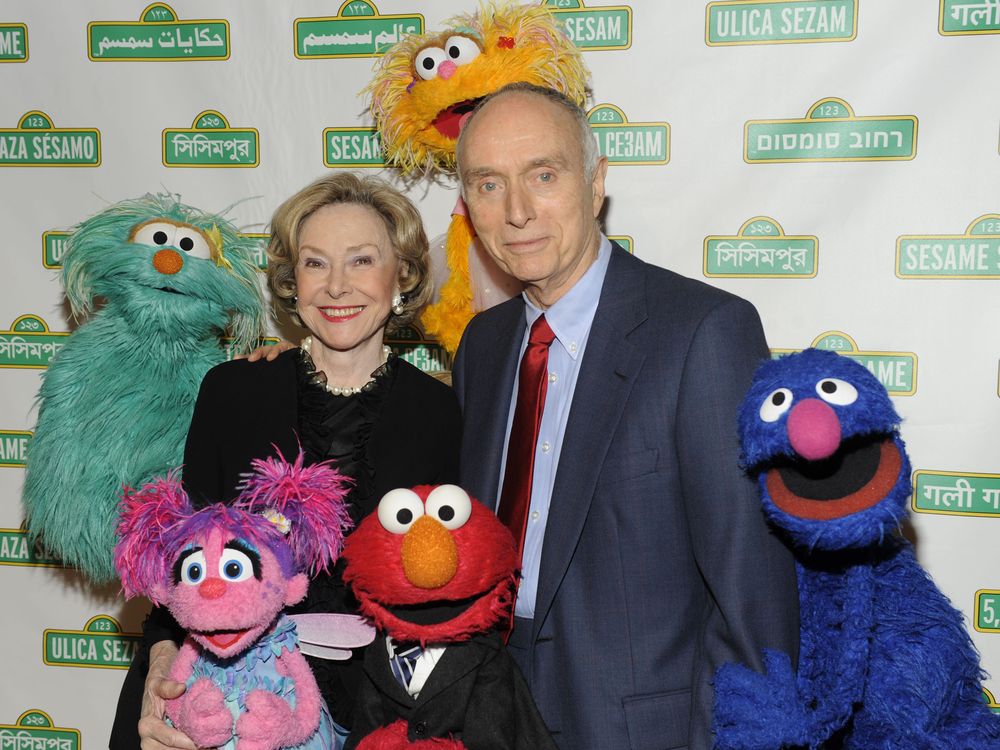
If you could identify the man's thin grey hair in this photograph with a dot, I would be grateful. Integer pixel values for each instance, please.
(588, 142)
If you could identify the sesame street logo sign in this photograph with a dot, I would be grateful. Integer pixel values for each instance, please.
(17, 550)
(602, 28)
(101, 645)
(34, 730)
(629, 143)
(780, 22)
(260, 249)
(972, 255)
(352, 147)
(358, 30)
(956, 494)
(29, 344)
(896, 371)
(830, 131)
(13, 42)
(762, 250)
(988, 616)
(961, 17)
(410, 345)
(53, 247)
(159, 35)
(14, 448)
(36, 143)
(211, 142)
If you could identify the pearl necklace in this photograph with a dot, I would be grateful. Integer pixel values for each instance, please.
(319, 377)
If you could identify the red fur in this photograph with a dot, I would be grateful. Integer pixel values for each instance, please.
(393, 737)
(486, 564)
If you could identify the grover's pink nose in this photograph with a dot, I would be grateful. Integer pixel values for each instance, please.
(813, 429)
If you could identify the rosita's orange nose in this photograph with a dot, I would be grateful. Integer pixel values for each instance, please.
(168, 261)
(212, 588)
(430, 558)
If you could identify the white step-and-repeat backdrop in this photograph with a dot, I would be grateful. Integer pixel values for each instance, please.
(837, 162)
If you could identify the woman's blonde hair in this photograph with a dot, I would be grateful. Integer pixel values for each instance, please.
(402, 221)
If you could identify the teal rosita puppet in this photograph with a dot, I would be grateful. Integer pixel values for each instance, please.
(115, 403)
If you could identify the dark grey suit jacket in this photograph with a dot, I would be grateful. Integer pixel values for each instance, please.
(657, 565)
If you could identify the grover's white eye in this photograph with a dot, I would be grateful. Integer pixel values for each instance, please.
(450, 505)
(235, 566)
(427, 61)
(193, 243)
(461, 50)
(776, 404)
(192, 568)
(156, 233)
(836, 391)
(398, 509)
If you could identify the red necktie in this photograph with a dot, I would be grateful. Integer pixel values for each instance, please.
(533, 378)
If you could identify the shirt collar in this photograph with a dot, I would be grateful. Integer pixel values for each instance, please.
(570, 317)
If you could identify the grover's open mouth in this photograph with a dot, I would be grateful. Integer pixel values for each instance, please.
(449, 121)
(858, 476)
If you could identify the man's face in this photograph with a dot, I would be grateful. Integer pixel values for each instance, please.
(533, 207)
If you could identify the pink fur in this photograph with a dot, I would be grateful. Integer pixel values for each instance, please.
(269, 722)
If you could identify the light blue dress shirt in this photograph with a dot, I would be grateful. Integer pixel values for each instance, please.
(570, 319)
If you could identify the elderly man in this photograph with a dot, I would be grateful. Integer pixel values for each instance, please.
(600, 409)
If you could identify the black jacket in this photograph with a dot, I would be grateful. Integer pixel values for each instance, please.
(475, 694)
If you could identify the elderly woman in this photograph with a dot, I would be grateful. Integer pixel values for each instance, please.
(348, 260)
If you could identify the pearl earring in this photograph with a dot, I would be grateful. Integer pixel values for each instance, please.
(398, 302)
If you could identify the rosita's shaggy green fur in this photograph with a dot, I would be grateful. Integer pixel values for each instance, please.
(116, 401)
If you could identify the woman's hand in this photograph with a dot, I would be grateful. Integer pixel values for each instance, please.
(154, 733)
(269, 352)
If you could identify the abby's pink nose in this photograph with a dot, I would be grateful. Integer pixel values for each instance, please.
(813, 429)
(447, 69)
(212, 588)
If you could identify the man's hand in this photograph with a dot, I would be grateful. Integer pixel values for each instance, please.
(269, 352)
(154, 732)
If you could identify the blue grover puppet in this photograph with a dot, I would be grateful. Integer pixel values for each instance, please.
(116, 401)
(885, 662)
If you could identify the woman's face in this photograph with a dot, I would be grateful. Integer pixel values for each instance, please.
(346, 276)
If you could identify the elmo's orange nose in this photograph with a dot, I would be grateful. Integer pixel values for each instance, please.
(430, 558)
(168, 261)
(212, 588)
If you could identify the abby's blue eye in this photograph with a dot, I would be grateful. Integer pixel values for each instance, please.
(192, 568)
(235, 566)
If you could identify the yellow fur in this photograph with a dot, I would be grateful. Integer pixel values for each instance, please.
(446, 319)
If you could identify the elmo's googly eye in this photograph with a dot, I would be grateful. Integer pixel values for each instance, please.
(192, 568)
(450, 505)
(193, 243)
(398, 509)
(836, 391)
(156, 233)
(427, 61)
(776, 404)
(235, 566)
(461, 50)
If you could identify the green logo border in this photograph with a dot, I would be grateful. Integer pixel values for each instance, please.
(808, 119)
(857, 351)
(52, 129)
(85, 632)
(51, 725)
(45, 332)
(352, 165)
(975, 32)
(52, 233)
(178, 20)
(194, 130)
(740, 236)
(24, 27)
(925, 511)
(341, 17)
(626, 122)
(967, 236)
(35, 564)
(583, 8)
(975, 624)
(708, 19)
(11, 433)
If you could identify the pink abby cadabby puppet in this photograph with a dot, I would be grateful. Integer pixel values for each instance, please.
(226, 572)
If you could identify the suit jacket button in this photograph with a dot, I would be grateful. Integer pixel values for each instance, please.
(420, 728)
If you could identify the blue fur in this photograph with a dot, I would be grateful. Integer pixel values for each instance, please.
(116, 402)
(885, 662)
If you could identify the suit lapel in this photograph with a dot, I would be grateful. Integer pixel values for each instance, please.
(457, 661)
(610, 365)
(487, 409)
